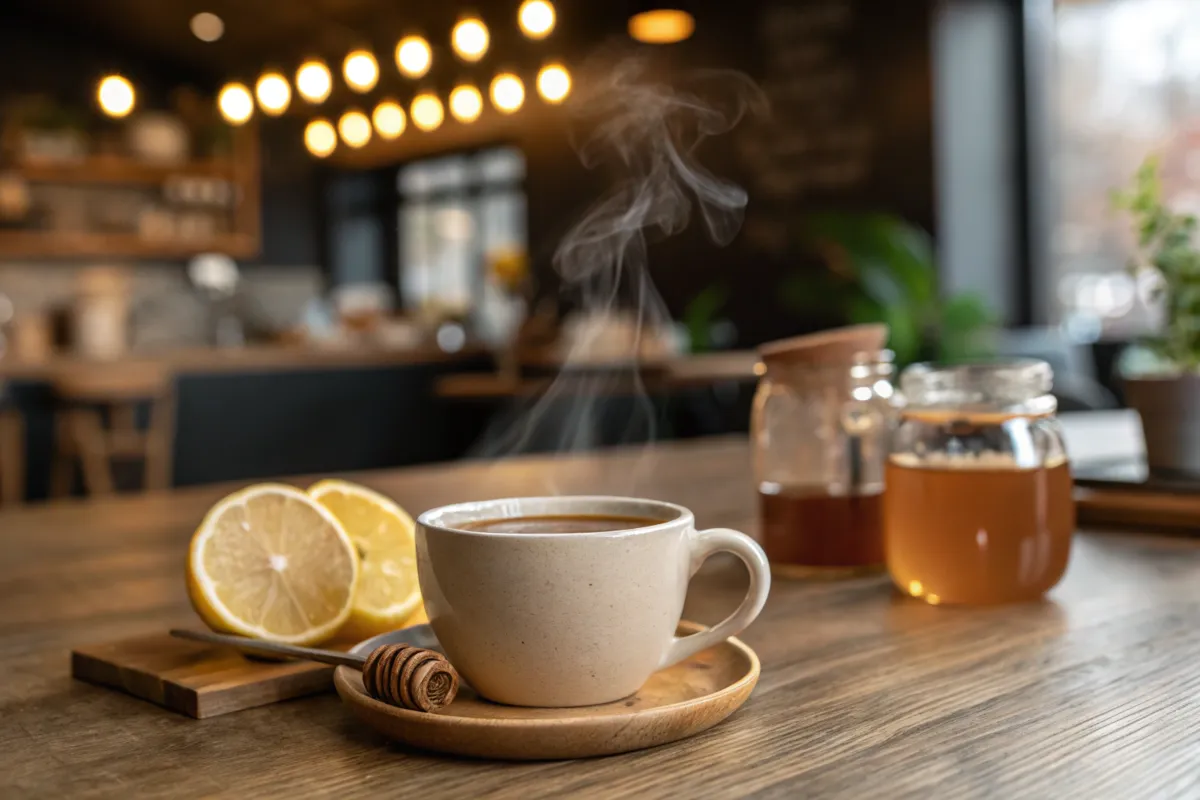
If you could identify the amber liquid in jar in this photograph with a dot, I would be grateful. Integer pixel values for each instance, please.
(978, 534)
(808, 532)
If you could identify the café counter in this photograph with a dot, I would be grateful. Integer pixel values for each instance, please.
(257, 411)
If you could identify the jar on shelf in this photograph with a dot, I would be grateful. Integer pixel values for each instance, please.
(979, 506)
(820, 430)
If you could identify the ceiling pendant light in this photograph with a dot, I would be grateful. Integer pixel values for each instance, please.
(361, 71)
(320, 138)
(470, 38)
(662, 26)
(313, 81)
(507, 91)
(273, 93)
(426, 111)
(235, 103)
(388, 119)
(536, 18)
(115, 96)
(466, 103)
(413, 56)
(354, 128)
(554, 83)
(207, 27)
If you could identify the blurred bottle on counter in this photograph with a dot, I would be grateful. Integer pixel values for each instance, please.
(216, 278)
(100, 313)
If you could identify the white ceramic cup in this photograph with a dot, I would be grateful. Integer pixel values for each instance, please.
(571, 619)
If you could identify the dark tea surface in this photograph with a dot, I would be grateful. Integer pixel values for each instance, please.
(561, 523)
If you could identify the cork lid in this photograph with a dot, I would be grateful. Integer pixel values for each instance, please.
(830, 347)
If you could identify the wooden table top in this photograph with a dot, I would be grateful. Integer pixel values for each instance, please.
(1095, 693)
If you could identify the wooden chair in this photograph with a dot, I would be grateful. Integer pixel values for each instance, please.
(12, 451)
(97, 424)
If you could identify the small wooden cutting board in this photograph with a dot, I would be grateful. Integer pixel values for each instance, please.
(193, 678)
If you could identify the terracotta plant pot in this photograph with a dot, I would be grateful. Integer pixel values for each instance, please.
(1170, 411)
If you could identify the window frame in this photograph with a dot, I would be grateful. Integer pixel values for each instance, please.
(473, 191)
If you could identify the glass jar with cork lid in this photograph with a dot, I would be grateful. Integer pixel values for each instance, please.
(820, 432)
(979, 507)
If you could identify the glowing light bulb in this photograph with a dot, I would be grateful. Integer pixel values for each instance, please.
(273, 93)
(235, 103)
(554, 83)
(361, 71)
(426, 111)
(507, 91)
(470, 39)
(115, 96)
(413, 56)
(389, 120)
(313, 81)
(536, 18)
(207, 27)
(320, 138)
(661, 26)
(466, 103)
(355, 128)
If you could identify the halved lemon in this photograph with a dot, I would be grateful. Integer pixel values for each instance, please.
(269, 562)
(388, 593)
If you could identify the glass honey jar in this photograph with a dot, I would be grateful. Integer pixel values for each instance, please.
(978, 508)
(820, 429)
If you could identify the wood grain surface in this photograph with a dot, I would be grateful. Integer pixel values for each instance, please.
(199, 680)
(1137, 507)
(1093, 694)
(675, 703)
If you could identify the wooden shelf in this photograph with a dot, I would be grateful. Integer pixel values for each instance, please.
(122, 171)
(51, 244)
(240, 169)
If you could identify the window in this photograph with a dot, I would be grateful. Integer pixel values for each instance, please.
(1127, 85)
(454, 213)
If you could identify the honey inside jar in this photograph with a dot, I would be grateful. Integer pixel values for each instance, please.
(809, 533)
(980, 532)
(979, 507)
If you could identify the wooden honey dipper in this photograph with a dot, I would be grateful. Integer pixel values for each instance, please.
(396, 674)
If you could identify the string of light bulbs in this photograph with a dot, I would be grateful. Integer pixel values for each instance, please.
(470, 39)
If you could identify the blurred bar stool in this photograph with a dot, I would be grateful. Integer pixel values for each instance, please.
(97, 424)
(12, 450)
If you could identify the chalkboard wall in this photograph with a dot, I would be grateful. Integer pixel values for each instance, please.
(849, 128)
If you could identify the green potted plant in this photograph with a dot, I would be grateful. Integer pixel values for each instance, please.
(1164, 388)
(47, 131)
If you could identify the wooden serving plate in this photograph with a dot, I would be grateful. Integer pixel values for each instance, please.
(675, 703)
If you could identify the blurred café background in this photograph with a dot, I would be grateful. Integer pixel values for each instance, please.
(248, 239)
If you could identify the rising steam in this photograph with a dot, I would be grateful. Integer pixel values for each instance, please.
(646, 133)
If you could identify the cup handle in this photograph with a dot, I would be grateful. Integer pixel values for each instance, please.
(703, 544)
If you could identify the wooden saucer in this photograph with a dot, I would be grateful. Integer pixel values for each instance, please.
(675, 703)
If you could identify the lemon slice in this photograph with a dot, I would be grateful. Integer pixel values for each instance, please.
(388, 593)
(269, 562)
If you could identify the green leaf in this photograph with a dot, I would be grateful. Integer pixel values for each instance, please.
(966, 325)
(700, 314)
(1166, 239)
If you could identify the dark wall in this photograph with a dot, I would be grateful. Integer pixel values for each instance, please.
(290, 195)
(849, 128)
(38, 55)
